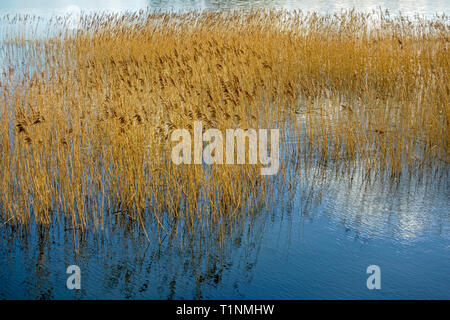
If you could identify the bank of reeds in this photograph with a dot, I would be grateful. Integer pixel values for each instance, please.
(86, 116)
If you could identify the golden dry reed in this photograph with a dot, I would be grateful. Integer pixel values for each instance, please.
(86, 114)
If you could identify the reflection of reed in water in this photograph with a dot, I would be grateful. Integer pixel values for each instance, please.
(184, 260)
(122, 262)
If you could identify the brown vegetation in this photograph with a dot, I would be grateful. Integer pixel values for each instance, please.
(85, 117)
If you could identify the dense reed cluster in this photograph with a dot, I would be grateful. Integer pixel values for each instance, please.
(86, 114)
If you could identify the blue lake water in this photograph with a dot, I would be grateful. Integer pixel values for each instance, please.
(315, 242)
(44, 7)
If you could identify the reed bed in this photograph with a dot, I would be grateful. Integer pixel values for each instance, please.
(86, 114)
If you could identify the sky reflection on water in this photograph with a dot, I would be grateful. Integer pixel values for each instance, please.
(315, 243)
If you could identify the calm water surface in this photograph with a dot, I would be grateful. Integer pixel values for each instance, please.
(315, 242)
(410, 7)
